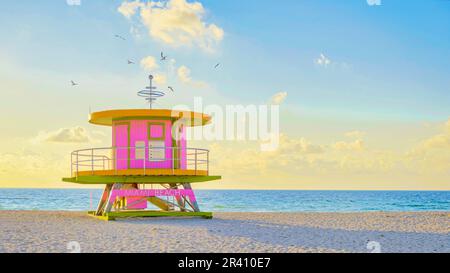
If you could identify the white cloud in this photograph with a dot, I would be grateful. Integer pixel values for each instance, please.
(149, 63)
(300, 156)
(160, 79)
(323, 60)
(298, 145)
(65, 135)
(278, 98)
(356, 145)
(433, 153)
(355, 134)
(176, 23)
(374, 2)
(439, 142)
(184, 74)
(128, 9)
(136, 32)
(25, 166)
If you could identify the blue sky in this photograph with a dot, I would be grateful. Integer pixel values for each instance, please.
(398, 54)
(388, 71)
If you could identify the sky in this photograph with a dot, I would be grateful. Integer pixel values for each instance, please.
(363, 85)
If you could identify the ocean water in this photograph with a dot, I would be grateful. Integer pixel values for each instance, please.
(245, 201)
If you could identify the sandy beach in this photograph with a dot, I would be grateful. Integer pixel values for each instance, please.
(43, 231)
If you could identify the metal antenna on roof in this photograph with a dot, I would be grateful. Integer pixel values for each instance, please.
(150, 93)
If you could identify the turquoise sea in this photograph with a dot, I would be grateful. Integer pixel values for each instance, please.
(242, 200)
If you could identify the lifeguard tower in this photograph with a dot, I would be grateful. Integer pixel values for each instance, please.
(149, 163)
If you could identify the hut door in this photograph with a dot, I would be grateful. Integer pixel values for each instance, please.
(180, 149)
(121, 136)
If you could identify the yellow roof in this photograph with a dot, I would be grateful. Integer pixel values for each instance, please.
(107, 117)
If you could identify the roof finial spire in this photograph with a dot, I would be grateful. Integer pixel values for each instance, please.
(150, 93)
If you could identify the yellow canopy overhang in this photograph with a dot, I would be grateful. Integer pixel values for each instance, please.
(106, 118)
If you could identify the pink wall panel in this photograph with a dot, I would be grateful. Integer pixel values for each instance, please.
(121, 140)
(157, 132)
(182, 144)
(138, 133)
(136, 203)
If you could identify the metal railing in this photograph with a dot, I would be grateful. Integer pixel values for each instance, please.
(145, 158)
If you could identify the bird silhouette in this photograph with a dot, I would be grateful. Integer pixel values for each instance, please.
(120, 37)
(170, 88)
(217, 65)
(130, 62)
(73, 83)
(163, 58)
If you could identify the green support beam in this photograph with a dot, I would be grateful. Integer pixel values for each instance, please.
(126, 214)
(125, 179)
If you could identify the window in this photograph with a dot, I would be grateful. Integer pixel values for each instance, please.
(157, 150)
(140, 149)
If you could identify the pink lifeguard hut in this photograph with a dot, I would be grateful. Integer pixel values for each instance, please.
(148, 165)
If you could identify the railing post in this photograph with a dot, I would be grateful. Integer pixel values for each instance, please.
(195, 161)
(115, 160)
(145, 158)
(207, 163)
(173, 161)
(77, 166)
(92, 161)
(71, 164)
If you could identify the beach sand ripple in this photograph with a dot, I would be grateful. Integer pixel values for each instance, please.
(43, 231)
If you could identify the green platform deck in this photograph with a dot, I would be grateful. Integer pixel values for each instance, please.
(126, 179)
(128, 214)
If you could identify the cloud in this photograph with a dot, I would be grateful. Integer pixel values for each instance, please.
(323, 60)
(128, 9)
(299, 145)
(136, 32)
(149, 63)
(447, 126)
(176, 22)
(65, 135)
(299, 158)
(440, 141)
(24, 166)
(278, 98)
(184, 75)
(374, 2)
(433, 153)
(160, 79)
(355, 134)
(356, 145)
(326, 62)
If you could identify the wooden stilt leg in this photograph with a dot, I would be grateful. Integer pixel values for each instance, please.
(180, 202)
(103, 200)
(109, 205)
(193, 201)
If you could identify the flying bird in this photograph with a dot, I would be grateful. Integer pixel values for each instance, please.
(170, 88)
(120, 37)
(130, 62)
(163, 58)
(217, 65)
(73, 83)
